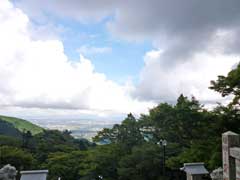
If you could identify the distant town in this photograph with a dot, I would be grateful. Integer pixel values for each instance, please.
(80, 128)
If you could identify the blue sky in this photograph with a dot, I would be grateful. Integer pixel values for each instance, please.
(107, 58)
(123, 62)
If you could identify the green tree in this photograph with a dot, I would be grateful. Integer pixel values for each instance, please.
(10, 141)
(64, 165)
(184, 125)
(127, 133)
(101, 161)
(17, 157)
(50, 141)
(229, 85)
(205, 150)
(143, 163)
(180, 123)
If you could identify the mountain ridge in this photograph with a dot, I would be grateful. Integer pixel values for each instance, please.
(22, 124)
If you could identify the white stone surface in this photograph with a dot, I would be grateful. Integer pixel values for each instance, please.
(34, 175)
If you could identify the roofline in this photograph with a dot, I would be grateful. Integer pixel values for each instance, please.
(35, 172)
(194, 164)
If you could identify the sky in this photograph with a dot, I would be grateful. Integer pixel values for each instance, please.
(104, 59)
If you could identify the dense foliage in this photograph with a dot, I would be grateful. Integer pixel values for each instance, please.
(229, 85)
(131, 150)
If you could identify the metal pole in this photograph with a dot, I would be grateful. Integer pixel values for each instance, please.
(163, 160)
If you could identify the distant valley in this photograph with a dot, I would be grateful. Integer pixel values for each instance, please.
(80, 128)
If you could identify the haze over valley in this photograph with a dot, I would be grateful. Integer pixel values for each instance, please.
(80, 128)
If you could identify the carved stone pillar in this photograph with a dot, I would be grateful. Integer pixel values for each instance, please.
(229, 139)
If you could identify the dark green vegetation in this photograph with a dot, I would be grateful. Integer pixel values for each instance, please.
(193, 134)
(22, 125)
(8, 129)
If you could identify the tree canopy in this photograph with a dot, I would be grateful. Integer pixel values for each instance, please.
(229, 85)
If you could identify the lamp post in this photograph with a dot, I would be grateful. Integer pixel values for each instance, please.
(163, 143)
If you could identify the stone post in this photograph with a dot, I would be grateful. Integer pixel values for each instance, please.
(229, 139)
(237, 161)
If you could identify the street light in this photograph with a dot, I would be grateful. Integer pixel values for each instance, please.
(163, 143)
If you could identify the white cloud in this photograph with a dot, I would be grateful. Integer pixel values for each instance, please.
(191, 77)
(90, 50)
(36, 74)
(194, 50)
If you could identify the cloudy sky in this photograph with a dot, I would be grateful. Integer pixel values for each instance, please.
(103, 59)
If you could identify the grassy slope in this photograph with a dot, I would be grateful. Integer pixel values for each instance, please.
(22, 125)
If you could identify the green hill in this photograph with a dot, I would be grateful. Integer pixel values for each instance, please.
(22, 125)
(7, 129)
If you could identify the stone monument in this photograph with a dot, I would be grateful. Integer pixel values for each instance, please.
(8, 172)
(217, 174)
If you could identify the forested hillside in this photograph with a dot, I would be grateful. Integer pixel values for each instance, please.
(8, 129)
(22, 125)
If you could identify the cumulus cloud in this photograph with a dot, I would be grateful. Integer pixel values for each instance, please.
(181, 28)
(192, 77)
(195, 40)
(37, 74)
